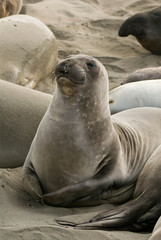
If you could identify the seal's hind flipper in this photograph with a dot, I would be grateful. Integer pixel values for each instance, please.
(32, 184)
(123, 217)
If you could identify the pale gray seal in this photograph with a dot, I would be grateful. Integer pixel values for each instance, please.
(10, 7)
(21, 110)
(135, 94)
(146, 28)
(28, 50)
(143, 74)
(81, 156)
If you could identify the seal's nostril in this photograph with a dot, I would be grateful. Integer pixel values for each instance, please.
(66, 68)
(61, 68)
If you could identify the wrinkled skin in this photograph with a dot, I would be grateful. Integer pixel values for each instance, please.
(81, 156)
(146, 28)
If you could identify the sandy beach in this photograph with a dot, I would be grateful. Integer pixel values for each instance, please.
(88, 27)
(91, 27)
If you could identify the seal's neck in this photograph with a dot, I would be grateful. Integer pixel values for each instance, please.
(87, 108)
(87, 121)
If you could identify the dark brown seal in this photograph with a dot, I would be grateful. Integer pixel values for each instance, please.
(146, 28)
(81, 156)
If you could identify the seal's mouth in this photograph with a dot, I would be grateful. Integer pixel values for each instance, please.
(64, 78)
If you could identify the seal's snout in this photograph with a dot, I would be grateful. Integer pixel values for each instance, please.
(133, 26)
(61, 69)
(70, 70)
(124, 30)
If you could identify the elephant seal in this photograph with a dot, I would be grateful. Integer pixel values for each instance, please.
(135, 94)
(28, 50)
(21, 110)
(143, 74)
(146, 28)
(10, 7)
(81, 156)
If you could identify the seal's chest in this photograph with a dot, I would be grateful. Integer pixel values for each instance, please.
(69, 164)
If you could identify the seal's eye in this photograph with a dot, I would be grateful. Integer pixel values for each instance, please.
(90, 65)
(156, 14)
(156, 17)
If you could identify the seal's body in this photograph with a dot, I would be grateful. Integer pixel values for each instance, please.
(135, 94)
(21, 110)
(81, 156)
(28, 50)
(143, 74)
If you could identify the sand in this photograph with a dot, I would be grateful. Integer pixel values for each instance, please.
(91, 27)
(23, 218)
(80, 26)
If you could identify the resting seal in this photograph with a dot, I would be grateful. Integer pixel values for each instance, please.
(135, 94)
(81, 156)
(143, 74)
(146, 28)
(28, 50)
(21, 110)
(10, 7)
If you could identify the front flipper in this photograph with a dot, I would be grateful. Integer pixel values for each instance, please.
(30, 83)
(80, 194)
(32, 184)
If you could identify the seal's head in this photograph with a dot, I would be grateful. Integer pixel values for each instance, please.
(78, 72)
(146, 28)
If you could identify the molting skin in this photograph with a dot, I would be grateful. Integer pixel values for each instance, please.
(28, 50)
